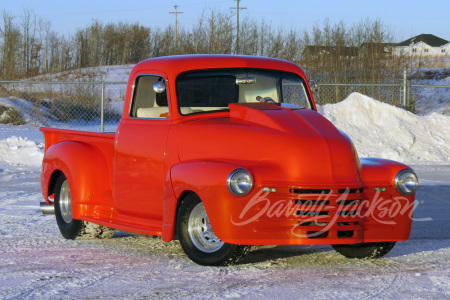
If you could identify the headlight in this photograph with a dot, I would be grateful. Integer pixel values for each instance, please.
(240, 182)
(406, 182)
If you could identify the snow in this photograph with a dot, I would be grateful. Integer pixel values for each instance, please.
(114, 73)
(440, 96)
(21, 151)
(381, 130)
(37, 262)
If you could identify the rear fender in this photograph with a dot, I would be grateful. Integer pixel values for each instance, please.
(86, 171)
(209, 181)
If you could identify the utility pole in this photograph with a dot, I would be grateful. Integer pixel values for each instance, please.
(237, 24)
(176, 12)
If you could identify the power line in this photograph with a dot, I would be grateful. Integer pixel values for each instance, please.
(237, 8)
(176, 12)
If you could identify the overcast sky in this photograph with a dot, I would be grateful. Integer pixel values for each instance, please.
(405, 18)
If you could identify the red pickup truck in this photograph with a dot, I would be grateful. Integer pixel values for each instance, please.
(224, 152)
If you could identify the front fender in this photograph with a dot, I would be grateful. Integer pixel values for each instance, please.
(209, 181)
(378, 170)
(86, 171)
(387, 205)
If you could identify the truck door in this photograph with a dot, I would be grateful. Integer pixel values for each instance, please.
(139, 173)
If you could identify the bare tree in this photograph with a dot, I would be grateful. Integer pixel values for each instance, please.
(10, 35)
(328, 52)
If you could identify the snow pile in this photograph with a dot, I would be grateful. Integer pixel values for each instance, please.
(381, 130)
(21, 151)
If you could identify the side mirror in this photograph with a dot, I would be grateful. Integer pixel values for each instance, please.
(313, 86)
(159, 86)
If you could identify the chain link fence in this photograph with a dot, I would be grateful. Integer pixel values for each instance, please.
(97, 106)
(88, 106)
(335, 92)
(415, 98)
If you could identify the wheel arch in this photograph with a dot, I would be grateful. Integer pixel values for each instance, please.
(86, 170)
(208, 180)
(52, 181)
(180, 200)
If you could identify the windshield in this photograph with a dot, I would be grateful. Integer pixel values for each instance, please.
(208, 91)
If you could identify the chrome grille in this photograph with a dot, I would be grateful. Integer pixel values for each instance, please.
(320, 211)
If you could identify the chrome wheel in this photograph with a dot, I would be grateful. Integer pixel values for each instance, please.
(65, 203)
(199, 241)
(200, 231)
(72, 228)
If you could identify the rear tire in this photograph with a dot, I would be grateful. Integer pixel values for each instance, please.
(198, 239)
(365, 250)
(69, 227)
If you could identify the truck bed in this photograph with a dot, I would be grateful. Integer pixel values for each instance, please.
(103, 141)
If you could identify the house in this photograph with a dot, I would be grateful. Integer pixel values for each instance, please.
(376, 49)
(423, 45)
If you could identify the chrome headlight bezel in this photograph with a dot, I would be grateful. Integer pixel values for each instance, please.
(240, 182)
(404, 185)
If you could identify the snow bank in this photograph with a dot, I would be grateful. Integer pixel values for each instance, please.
(21, 151)
(381, 130)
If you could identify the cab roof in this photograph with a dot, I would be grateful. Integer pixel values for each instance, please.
(174, 65)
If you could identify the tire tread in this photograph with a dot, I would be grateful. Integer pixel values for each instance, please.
(365, 251)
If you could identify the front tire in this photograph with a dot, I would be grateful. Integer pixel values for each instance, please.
(69, 227)
(365, 250)
(198, 239)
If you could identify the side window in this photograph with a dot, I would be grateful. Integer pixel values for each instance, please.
(294, 92)
(146, 103)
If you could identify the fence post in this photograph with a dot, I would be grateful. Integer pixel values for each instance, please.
(405, 82)
(102, 109)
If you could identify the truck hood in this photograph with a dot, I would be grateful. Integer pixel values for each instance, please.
(296, 146)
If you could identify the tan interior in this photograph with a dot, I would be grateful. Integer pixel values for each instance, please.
(159, 112)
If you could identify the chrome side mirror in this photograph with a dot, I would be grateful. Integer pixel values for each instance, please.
(313, 86)
(159, 86)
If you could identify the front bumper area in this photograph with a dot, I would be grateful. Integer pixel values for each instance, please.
(321, 215)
